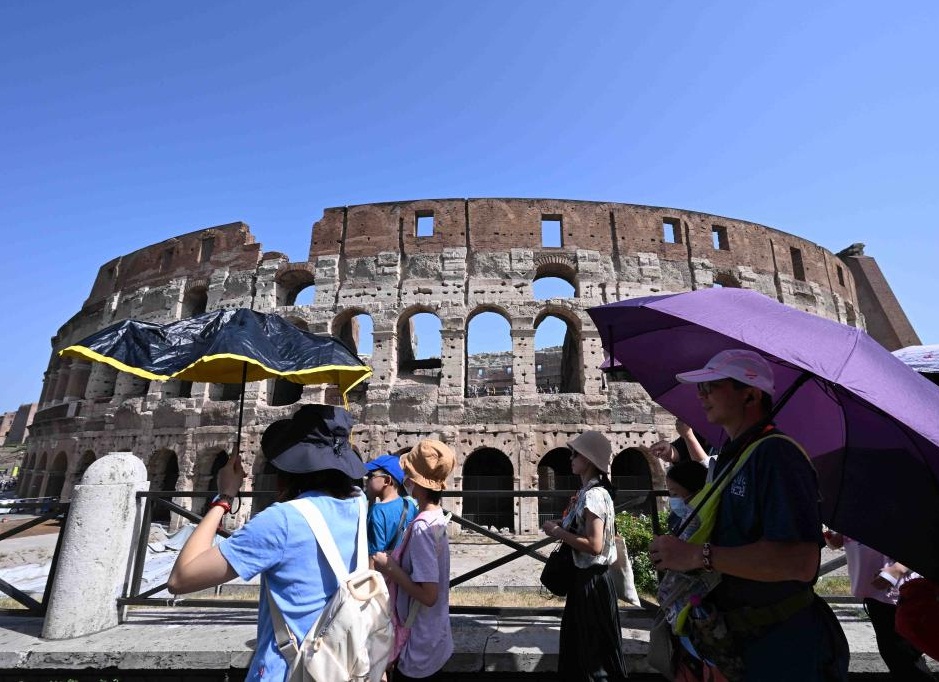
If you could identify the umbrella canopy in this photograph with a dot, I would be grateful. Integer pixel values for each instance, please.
(224, 346)
(868, 421)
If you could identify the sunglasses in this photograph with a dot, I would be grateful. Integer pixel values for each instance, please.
(705, 387)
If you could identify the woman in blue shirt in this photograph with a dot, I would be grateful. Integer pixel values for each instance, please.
(314, 460)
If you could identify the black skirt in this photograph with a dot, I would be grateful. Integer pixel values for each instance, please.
(591, 646)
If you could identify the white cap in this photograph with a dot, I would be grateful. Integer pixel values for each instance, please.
(745, 366)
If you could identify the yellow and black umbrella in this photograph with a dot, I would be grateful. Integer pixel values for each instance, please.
(224, 346)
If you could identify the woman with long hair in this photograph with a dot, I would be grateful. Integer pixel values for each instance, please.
(591, 645)
(314, 461)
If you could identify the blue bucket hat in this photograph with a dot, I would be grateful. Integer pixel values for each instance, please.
(315, 438)
(389, 464)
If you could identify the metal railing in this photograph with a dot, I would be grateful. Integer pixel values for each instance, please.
(644, 499)
(639, 500)
(52, 510)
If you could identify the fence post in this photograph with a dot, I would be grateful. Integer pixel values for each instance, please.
(97, 548)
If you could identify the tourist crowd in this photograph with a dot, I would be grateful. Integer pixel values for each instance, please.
(737, 565)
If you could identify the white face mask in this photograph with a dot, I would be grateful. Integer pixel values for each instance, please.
(678, 506)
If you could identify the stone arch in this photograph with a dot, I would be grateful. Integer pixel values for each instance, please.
(554, 267)
(489, 372)
(281, 391)
(489, 469)
(412, 362)
(291, 280)
(631, 471)
(55, 478)
(558, 368)
(87, 459)
(163, 472)
(726, 280)
(208, 464)
(346, 326)
(554, 473)
(195, 299)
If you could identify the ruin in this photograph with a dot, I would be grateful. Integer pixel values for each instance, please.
(507, 413)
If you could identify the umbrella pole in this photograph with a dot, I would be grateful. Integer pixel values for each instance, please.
(241, 409)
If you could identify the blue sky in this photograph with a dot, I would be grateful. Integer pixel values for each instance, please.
(123, 124)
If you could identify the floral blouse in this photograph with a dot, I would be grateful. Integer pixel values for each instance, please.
(598, 501)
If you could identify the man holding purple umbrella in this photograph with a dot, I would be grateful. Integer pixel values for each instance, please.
(766, 532)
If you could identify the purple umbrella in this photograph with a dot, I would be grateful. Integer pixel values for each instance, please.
(870, 423)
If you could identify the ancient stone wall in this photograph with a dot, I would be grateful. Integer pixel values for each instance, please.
(452, 258)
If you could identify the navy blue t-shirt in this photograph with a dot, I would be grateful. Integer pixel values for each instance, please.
(773, 497)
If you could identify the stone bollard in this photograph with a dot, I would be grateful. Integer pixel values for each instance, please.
(94, 560)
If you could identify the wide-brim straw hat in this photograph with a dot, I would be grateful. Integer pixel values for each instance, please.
(429, 463)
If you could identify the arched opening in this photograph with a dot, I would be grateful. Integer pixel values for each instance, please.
(57, 475)
(163, 470)
(355, 328)
(554, 473)
(195, 301)
(295, 287)
(209, 464)
(419, 345)
(630, 471)
(558, 368)
(265, 481)
(726, 280)
(305, 296)
(280, 391)
(88, 458)
(35, 481)
(546, 287)
(488, 469)
(488, 355)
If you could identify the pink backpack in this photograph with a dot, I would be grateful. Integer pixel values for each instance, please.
(402, 629)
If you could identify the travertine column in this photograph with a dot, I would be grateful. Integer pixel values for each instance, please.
(97, 548)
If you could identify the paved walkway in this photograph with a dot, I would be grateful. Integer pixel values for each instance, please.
(222, 639)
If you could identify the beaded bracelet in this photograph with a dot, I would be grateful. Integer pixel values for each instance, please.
(706, 557)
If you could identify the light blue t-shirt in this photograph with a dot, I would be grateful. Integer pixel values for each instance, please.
(384, 518)
(279, 544)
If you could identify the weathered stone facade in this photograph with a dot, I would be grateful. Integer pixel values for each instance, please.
(480, 255)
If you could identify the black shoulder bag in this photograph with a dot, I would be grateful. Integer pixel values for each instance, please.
(558, 573)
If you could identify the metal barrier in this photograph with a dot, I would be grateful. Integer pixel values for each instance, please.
(51, 510)
(644, 500)
(625, 499)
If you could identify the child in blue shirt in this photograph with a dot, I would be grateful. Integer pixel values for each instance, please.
(390, 512)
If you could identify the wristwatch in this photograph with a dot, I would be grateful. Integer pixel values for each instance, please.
(224, 501)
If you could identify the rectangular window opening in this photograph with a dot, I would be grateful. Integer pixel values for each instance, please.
(205, 252)
(671, 230)
(424, 223)
(166, 260)
(840, 275)
(551, 231)
(719, 237)
(798, 268)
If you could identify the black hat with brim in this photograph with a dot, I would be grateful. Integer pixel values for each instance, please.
(315, 438)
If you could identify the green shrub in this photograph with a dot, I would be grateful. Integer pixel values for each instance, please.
(636, 531)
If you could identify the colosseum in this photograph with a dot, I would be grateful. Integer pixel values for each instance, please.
(507, 413)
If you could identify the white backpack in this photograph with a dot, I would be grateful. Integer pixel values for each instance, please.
(353, 637)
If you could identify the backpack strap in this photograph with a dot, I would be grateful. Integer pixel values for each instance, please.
(324, 538)
(284, 638)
